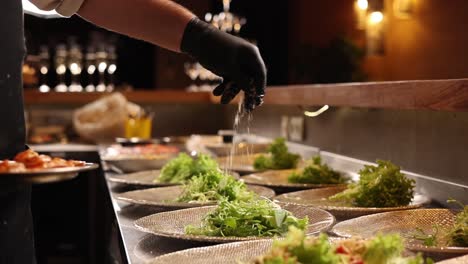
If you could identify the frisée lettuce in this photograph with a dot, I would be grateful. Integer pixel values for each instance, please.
(379, 186)
(214, 186)
(278, 157)
(183, 167)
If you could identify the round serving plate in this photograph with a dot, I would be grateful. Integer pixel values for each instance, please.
(166, 197)
(221, 149)
(405, 223)
(150, 247)
(136, 163)
(230, 253)
(319, 198)
(242, 164)
(279, 179)
(172, 224)
(135, 141)
(146, 178)
(457, 260)
(143, 178)
(47, 175)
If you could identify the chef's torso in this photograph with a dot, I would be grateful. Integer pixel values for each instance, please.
(12, 50)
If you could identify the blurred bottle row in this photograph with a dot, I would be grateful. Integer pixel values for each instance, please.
(74, 68)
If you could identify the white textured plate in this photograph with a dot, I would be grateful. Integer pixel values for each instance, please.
(279, 179)
(319, 198)
(404, 223)
(234, 253)
(146, 178)
(49, 174)
(459, 260)
(243, 164)
(230, 253)
(134, 163)
(166, 196)
(224, 149)
(172, 224)
(240, 163)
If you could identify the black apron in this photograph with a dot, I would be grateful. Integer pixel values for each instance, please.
(16, 237)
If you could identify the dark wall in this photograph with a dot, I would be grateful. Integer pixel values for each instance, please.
(426, 142)
(143, 65)
(267, 24)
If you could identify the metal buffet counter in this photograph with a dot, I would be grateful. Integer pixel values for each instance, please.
(139, 247)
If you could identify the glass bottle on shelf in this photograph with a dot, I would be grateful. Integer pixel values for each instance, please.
(101, 62)
(61, 55)
(75, 65)
(112, 67)
(90, 65)
(44, 65)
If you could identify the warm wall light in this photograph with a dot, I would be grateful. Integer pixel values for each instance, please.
(375, 33)
(362, 4)
(361, 13)
(375, 18)
(403, 8)
(316, 113)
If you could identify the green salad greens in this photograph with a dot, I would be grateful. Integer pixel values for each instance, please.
(455, 236)
(384, 249)
(317, 173)
(278, 158)
(428, 239)
(183, 167)
(379, 186)
(214, 186)
(296, 248)
(256, 217)
(458, 234)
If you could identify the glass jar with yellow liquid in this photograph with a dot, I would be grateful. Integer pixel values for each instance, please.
(139, 126)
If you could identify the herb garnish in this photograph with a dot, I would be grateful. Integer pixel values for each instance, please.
(430, 240)
(458, 234)
(278, 158)
(317, 173)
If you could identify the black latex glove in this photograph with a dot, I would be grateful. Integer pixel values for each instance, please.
(237, 61)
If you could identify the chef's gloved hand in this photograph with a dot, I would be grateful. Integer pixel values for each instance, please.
(237, 61)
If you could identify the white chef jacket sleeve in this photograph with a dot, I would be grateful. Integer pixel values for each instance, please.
(66, 8)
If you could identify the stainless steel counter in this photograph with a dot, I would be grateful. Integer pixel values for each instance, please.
(140, 247)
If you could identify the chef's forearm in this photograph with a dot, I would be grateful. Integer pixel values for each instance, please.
(161, 22)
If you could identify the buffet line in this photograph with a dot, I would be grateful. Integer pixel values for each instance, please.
(208, 201)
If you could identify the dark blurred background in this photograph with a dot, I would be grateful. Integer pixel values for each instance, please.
(302, 41)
